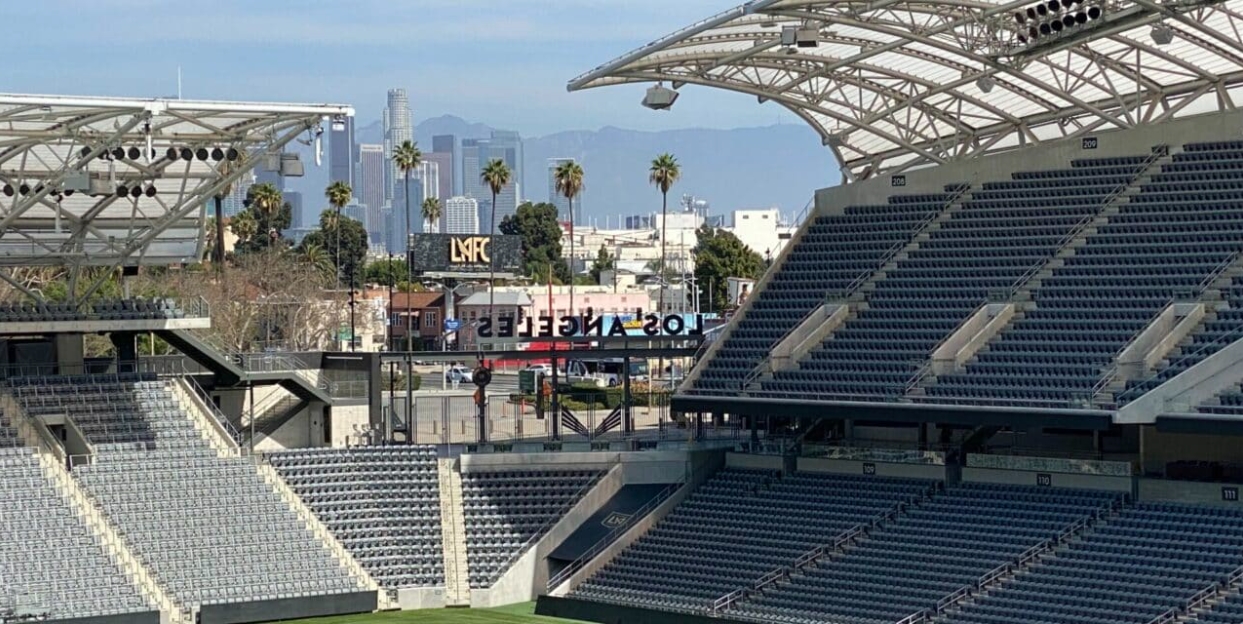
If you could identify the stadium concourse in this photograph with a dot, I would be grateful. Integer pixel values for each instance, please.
(994, 378)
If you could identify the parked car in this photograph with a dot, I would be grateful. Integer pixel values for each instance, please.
(541, 369)
(459, 373)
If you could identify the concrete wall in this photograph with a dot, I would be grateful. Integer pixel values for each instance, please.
(880, 469)
(1054, 479)
(421, 598)
(288, 608)
(1190, 492)
(744, 461)
(1054, 155)
(660, 465)
(295, 433)
(345, 418)
(703, 465)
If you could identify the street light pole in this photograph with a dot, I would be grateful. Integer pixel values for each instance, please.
(353, 303)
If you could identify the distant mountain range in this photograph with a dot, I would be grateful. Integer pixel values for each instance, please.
(779, 165)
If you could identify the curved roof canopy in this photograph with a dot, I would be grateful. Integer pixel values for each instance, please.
(894, 84)
(93, 181)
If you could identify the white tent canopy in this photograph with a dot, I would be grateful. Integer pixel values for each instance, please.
(892, 84)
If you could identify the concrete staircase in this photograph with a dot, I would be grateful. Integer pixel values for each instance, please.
(1021, 291)
(857, 294)
(206, 418)
(453, 532)
(311, 521)
(51, 459)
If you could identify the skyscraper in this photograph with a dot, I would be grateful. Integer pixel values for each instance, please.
(444, 146)
(371, 165)
(341, 150)
(297, 220)
(444, 165)
(555, 198)
(476, 154)
(398, 128)
(461, 216)
(424, 184)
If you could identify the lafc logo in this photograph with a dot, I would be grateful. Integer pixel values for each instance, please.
(469, 250)
(615, 520)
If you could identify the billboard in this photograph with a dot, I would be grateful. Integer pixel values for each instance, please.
(465, 254)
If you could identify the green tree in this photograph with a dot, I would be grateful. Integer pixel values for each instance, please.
(663, 173)
(272, 215)
(352, 237)
(243, 226)
(604, 262)
(226, 169)
(432, 212)
(316, 256)
(385, 272)
(338, 195)
(720, 255)
(407, 157)
(541, 241)
(496, 175)
(568, 179)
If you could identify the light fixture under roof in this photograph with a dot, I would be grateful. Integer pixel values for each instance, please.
(1162, 34)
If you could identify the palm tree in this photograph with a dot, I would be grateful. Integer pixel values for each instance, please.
(569, 182)
(431, 212)
(407, 157)
(663, 173)
(315, 256)
(339, 195)
(225, 169)
(496, 175)
(266, 198)
(244, 226)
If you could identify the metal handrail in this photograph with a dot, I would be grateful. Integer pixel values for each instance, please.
(574, 566)
(216, 413)
(1083, 224)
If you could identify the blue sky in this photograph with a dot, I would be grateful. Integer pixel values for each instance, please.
(501, 62)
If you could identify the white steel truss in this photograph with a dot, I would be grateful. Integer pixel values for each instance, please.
(895, 84)
(69, 167)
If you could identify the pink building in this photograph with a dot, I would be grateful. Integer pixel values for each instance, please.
(599, 302)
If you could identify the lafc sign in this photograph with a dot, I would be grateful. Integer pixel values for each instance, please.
(469, 250)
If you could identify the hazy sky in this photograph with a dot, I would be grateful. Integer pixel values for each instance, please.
(501, 62)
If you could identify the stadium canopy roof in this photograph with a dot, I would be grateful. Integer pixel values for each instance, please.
(93, 181)
(896, 84)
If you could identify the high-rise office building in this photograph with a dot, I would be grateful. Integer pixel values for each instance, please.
(297, 219)
(342, 153)
(398, 128)
(265, 176)
(445, 146)
(556, 198)
(371, 165)
(461, 215)
(476, 154)
(424, 184)
(444, 164)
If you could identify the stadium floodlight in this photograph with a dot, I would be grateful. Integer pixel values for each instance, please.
(986, 83)
(660, 97)
(1162, 34)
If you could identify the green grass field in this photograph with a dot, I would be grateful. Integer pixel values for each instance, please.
(513, 614)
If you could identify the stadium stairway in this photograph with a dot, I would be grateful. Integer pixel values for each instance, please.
(856, 295)
(1022, 295)
(843, 258)
(269, 475)
(453, 532)
(52, 463)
